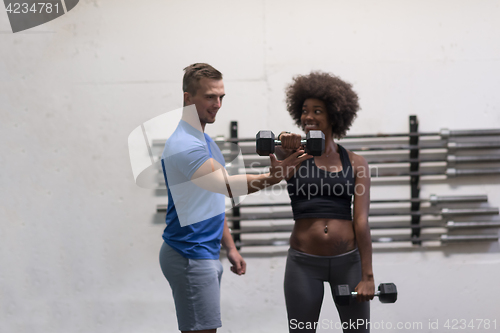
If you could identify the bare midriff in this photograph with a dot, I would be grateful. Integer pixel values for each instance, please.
(323, 237)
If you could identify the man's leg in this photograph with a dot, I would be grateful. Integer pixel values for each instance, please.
(196, 290)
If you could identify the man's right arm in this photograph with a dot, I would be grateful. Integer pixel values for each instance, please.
(212, 176)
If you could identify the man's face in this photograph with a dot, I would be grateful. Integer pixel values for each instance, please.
(208, 99)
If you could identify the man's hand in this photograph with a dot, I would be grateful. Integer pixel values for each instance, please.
(239, 266)
(285, 169)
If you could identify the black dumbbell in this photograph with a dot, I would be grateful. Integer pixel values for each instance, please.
(387, 293)
(314, 142)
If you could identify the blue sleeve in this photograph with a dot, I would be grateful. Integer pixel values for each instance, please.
(191, 159)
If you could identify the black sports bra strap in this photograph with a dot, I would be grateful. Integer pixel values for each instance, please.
(344, 157)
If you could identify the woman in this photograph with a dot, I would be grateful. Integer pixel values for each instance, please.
(329, 242)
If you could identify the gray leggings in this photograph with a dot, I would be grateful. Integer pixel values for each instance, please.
(305, 275)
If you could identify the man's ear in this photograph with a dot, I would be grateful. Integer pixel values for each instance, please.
(187, 99)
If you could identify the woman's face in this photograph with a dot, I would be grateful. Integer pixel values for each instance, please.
(314, 116)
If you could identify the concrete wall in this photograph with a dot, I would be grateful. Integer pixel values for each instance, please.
(79, 240)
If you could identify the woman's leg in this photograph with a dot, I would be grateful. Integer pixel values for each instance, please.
(304, 290)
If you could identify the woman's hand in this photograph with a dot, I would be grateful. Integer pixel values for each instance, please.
(365, 290)
(290, 143)
(290, 140)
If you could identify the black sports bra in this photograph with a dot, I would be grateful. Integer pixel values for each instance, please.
(316, 193)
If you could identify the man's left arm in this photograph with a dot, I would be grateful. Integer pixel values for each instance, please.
(239, 264)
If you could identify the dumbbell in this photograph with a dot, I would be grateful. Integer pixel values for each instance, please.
(387, 293)
(314, 142)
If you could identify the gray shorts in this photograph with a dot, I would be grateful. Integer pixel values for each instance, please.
(195, 286)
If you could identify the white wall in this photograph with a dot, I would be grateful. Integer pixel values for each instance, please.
(79, 240)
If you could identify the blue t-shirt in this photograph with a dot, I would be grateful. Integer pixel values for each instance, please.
(195, 217)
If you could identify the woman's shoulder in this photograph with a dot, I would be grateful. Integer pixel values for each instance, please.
(356, 160)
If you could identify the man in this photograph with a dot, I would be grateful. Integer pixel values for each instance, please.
(193, 167)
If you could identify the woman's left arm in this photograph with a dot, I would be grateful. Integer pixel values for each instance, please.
(366, 287)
